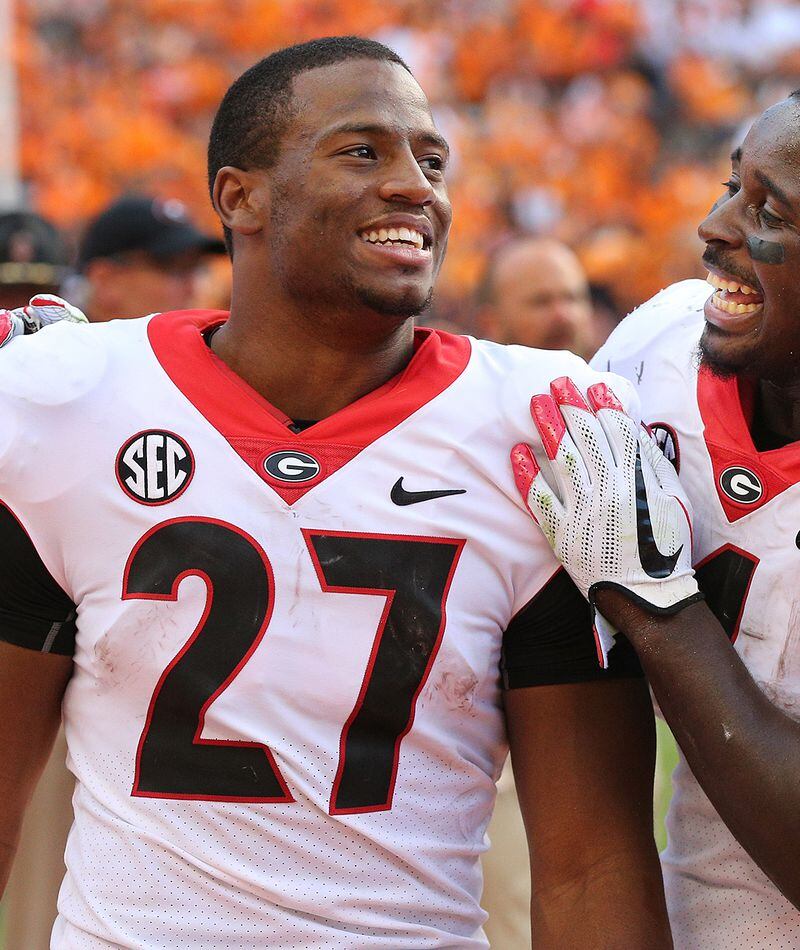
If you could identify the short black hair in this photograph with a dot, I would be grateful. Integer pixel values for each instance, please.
(255, 111)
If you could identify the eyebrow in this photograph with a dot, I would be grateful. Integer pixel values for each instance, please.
(779, 193)
(429, 138)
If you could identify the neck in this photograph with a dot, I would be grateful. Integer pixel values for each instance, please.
(311, 364)
(776, 420)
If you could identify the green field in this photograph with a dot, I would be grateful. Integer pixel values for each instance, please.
(666, 759)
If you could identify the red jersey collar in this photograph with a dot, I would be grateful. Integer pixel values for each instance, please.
(257, 430)
(745, 479)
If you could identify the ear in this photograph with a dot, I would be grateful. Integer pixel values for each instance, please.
(241, 199)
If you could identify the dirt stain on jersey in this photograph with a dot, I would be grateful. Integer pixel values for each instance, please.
(456, 689)
(788, 665)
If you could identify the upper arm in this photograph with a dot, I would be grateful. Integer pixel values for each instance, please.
(583, 756)
(31, 689)
(37, 634)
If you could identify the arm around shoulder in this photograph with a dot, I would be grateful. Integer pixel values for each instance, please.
(741, 747)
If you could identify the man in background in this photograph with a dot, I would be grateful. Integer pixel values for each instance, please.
(33, 258)
(535, 293)
(141, 255)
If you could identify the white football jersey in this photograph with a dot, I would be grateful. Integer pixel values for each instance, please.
(747, 558)
(285, 718)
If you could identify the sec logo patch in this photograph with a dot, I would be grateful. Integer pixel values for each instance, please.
(155, 467)
(742, 485)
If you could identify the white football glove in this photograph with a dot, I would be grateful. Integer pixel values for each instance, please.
(619, 517)
(42, 310)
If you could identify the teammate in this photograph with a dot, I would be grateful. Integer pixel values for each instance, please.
(300, 569)
(732, 426)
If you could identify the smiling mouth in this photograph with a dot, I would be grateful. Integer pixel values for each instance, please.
(397, 237)
(733, 297)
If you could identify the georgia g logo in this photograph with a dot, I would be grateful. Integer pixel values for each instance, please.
(742, 485)
(154, 467)
(292, 466)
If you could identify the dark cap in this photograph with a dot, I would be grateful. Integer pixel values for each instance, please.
(31, 250)
(142, 223)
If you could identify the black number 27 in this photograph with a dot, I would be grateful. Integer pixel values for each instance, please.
(173, 761)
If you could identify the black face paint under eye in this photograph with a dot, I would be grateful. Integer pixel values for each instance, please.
(716, 204)
(767, 252)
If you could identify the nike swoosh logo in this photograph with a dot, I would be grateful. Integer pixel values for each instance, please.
(655, 563)
(402, 497)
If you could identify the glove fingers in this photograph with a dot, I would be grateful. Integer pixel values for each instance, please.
(45, 309)
(539, 498)
(11, 325)
(660, 476)
(620, 430)
(662, 467)
(567, 467)
(584, 428)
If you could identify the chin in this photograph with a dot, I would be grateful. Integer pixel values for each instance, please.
(723, 361)
(408, 302)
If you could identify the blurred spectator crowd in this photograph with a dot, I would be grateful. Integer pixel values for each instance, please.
(604, 123)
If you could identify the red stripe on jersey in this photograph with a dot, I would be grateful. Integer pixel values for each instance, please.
(256, 429)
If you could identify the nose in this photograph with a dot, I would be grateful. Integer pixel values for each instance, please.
(720, 226)
(406, 182)
(565, 313)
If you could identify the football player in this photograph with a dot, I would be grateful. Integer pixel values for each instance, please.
(278, 562)
(730, 421)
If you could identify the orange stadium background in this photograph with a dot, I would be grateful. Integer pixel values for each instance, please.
(606, 123)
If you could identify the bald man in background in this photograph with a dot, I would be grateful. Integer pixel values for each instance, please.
(535, 292)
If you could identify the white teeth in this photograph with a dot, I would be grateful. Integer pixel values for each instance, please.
(395, 236)
(728, 306)
(731, 286)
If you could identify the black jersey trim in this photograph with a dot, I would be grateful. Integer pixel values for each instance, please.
(551, 642)
(35, 613)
